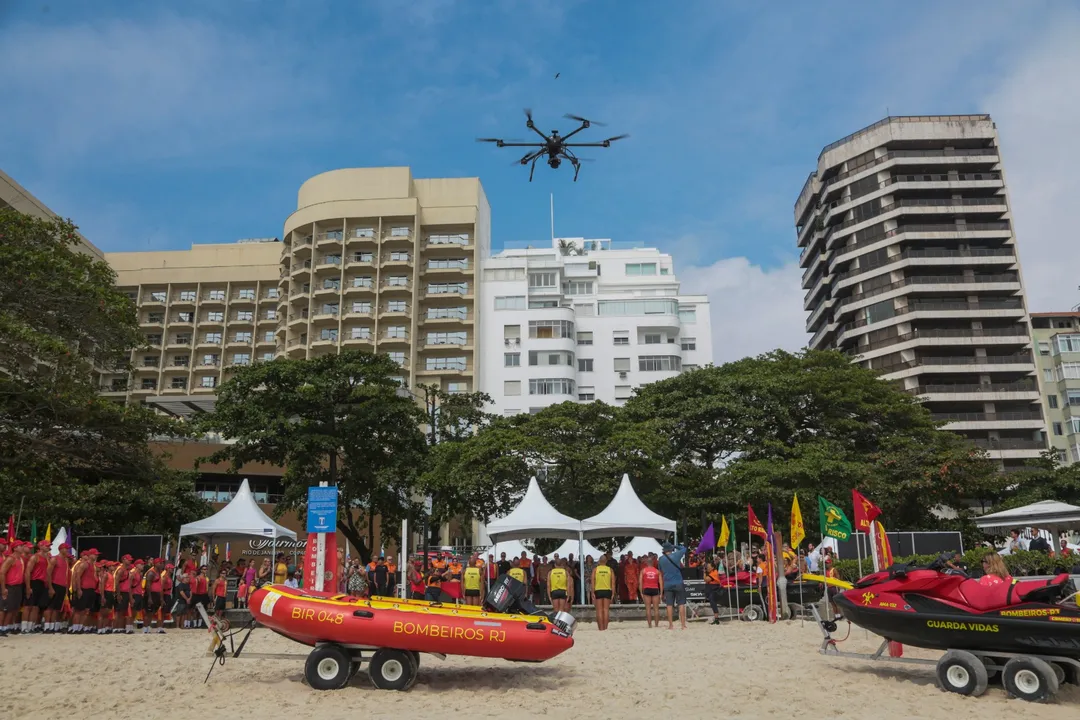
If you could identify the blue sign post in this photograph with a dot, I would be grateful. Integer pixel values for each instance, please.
(322, 504)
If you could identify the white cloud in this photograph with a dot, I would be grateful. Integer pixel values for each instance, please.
(754, 310)
(147, 89)
(1037, 111)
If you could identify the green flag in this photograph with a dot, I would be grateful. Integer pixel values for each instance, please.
(731, 540)
(834, 522)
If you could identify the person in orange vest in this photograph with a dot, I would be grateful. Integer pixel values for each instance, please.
(435, 578)
(454, 569)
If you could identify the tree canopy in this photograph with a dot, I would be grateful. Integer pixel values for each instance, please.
(712, 440)
(336, 418)
(67, 454)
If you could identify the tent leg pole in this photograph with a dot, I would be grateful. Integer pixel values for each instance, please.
(581, 565)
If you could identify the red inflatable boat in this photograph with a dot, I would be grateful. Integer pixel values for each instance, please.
(393, 632)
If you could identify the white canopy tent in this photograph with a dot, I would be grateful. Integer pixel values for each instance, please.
(242, 516)
(512, 548)
(577, 548)
(627, 515)
(1046, 514)
(534, 517)
(642, 546)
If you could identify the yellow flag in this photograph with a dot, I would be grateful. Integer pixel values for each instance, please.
(798, 532)
(48, 533)
(722, 541)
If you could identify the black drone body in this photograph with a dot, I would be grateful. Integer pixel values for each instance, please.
(555, 146)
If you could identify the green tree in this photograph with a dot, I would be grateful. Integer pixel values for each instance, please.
(1045, 478)
(342, 419)
(66, 453)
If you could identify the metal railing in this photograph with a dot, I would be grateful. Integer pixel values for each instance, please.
(930, 253)
(974, 388)
(987, 417)
(1009, 444)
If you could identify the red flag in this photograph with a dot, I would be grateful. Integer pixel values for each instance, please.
(756, 528)
(865, 511)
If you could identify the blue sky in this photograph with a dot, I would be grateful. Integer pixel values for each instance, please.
(155, 125)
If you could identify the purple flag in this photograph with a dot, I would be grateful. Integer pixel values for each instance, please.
(708, 541)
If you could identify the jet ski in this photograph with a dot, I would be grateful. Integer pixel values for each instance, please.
(930, 608)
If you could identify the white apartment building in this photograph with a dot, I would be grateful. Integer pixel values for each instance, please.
(582, 320)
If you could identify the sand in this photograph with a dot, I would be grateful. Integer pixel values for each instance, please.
(732, 670)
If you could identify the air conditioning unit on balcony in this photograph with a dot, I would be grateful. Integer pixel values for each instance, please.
(622, 376)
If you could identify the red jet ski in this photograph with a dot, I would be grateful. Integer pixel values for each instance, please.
(1027, 629)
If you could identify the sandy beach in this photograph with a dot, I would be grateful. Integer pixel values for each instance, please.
(731, 670)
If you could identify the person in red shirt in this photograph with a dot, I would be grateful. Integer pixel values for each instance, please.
(106, 590)
(58, 573)
(84, 585)
(153, 595)
(220, 591)
(36, 587)
(12, 583)
(166, 593)
(122, 622)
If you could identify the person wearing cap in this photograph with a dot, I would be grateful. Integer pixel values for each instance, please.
(36, 587)
(58, 573)
(167, 593)
(674, 589)
(12, 582)
(122, 621)
(138, 591)
(84, 591)
(106, 593)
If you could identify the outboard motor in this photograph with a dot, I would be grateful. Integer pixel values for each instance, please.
(509, 595)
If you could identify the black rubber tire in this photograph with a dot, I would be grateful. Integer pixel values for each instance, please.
(1061, 673)
(1029, 678)
(750, 613)
(416, 666)
(960, 672)
(392, 669)
(328, 667)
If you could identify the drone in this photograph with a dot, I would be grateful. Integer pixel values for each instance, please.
(555, 146)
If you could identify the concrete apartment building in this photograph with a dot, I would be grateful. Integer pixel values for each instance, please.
(582, 320)
(1057, 339)
(15, 196)
(910, 266)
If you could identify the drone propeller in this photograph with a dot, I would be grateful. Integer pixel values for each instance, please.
(494, 140)
(617, 137)
(528, 114)
(568, 116)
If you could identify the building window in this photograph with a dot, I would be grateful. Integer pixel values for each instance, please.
(623, 392)
(1048, 374)
(510, 302)
(215, 316)
(182, 339)
(512, 387)
(331, 283)
(1067, 343)
(212, 338)
(1069, 370)
(330, 260)
(687, 315)
(360, 333)
(448, 288)
(511, 359)
(1051, 400)
(397, 356)
(638, 307)
(398, 332)
(504, 274)
(158, 296)
(246, 294)
(362, 307)
(449, 264)
(156, 318)
(1058, 429)
(363, 257)
(270, 315)
(584, 338)
(586, 396)
(208, 381)
(245, 315)
(266, 357)
(547, 329)
(328, 334)
(559, 357)
(659, 363)
(585, 364)
(579, 287)
(621, 337)
(181, 360)
(400, 231)
(448, 239)
(178, 383)
(447, 338)
(272, 294)
(688, 344)
(1071, 397)
(551, 386)
(150, 361)
(241, 358)
(460, 313)
(187, 296)
(653, 339)
(447, 363)
(457, 387)
(586, 310)
(210, 359)
(396, 306)
(330, 309)
(364, 232)
(397, 281)
(244, 337)
(153, 339)
(218, 295)
(543, 280)
(640, 268)
(363, 281)
(622, 364)
(399, 256)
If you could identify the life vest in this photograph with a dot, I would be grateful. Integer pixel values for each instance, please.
(472, 578)
(557, 579)
(518, 574)
(604, 578)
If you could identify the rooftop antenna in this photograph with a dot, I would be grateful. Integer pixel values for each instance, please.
(553, 218)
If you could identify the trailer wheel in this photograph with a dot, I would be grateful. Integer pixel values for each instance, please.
(1030, 678)
(328, 667)
(392, 669)
(416, 666)
(960, 672)
(750, 613)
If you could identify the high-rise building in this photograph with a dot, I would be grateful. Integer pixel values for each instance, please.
(1057, 339)
(910, 266)
(582, 320)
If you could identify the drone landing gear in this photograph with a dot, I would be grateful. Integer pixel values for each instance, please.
(577, 168)
(532, 168)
